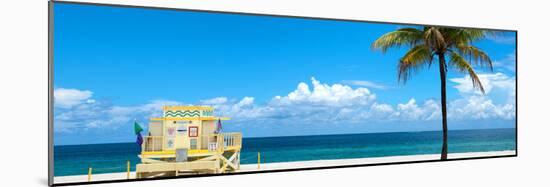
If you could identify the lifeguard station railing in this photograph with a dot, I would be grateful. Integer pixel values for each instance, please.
(210, 142)
(221, 141)
(152, 143)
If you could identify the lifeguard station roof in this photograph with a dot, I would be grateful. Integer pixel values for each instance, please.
(187, 108)
(175, 113)
(189, 118)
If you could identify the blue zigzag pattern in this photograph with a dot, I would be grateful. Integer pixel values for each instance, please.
(193, 113)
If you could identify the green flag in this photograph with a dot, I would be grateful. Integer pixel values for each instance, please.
(137, 128)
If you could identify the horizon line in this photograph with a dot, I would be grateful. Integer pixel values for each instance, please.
(336, 134)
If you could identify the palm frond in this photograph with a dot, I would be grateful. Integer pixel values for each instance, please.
(434, 37)
(398, 38)
(412, 61)
(455, 44)
(465, 36)
(475, 55)
(457, 61)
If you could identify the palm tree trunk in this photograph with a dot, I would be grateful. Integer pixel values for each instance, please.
(442, 75)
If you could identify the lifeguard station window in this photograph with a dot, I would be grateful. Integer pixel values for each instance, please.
(193, 131)
(193, 143)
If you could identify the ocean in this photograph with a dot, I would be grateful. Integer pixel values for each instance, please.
(109, 158)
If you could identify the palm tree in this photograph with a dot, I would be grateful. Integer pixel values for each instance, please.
(452, 47)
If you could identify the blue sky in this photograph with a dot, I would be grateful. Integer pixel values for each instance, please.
(113, 65)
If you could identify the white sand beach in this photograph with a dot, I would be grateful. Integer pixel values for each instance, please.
(300, 164)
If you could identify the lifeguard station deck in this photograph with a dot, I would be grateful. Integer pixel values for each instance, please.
(187, 141)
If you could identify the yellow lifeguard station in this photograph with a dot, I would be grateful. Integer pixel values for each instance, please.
(188, 140)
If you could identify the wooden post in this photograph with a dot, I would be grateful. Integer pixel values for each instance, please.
(89, 174)
(218, 155)
(238, 160)
(258, 160)
(128, 169)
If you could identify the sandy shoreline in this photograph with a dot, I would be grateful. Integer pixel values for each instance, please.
(302, 164)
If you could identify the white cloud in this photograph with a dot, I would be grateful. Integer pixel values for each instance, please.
(336, 95)
(382, 108)
(67, 98)
(430, 110)
(240, 109)
(494, 84)
(322, 103)
(86, 115)
(328, 103)
(215, 101)
(480, 107)
(377, 111)
(497, 102)
(308, 104)
(489, 82)
(365, 83)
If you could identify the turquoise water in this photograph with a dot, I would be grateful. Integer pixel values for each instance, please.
(107, 158)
